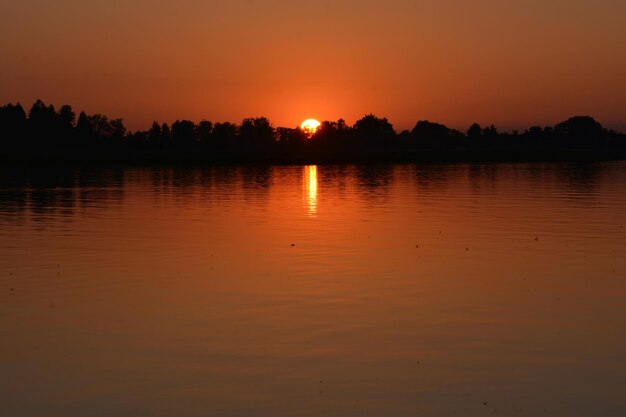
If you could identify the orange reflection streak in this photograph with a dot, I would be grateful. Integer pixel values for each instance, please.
(310, 188)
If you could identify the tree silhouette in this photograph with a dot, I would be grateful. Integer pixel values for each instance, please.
(292, 137)
(370, 138)
(373, 130)
(67, 117)
(428, 130)
(12, 125)
(203, 131)
(256, 132)
(490, 132)
(224, 134)
(580, 129)
(183, 133)
(154, 134)
(166, 134)
(100, 126)
(332, 135)
(475, 131)
(83, 128)
(118, 129)
(42, 123)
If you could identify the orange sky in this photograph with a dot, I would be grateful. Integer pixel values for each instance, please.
(512, 63)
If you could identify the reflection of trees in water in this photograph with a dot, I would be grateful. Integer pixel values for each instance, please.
(483, 177)
(577, 179)
(254, 178)
(374, 182)
(13, 205)
(335, 177)
(37, 194)
(100, 188)
(58, 193)
(579, 174)
(373, 176)
(40, 195)
(580, 179)
(256, 182)
(174, 182)
(185, 180)
(45, 202)
(160, 181)
(185, 185)
(434, 175)
(487, 172)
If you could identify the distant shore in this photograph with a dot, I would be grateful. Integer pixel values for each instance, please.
(45, 135)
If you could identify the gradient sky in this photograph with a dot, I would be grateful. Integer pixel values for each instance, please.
(510, 63)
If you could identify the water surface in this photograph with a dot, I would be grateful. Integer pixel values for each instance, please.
(435, 290)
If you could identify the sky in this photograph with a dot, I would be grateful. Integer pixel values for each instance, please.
(509, 63)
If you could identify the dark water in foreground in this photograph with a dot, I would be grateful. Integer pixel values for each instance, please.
(458, 290)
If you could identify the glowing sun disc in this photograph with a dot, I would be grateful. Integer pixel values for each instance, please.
(310, 126)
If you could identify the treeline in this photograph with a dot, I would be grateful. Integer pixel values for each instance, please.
(46, 129)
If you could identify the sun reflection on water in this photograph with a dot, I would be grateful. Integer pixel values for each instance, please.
(310, 188)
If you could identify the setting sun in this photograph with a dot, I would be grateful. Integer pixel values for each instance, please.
(310, 126)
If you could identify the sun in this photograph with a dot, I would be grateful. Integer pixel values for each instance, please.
(310, 126)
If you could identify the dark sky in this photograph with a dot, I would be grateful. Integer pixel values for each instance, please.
(511, 63)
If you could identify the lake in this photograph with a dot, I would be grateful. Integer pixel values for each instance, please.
(376, 290)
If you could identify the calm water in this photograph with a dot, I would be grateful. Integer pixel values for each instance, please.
(455, 290)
